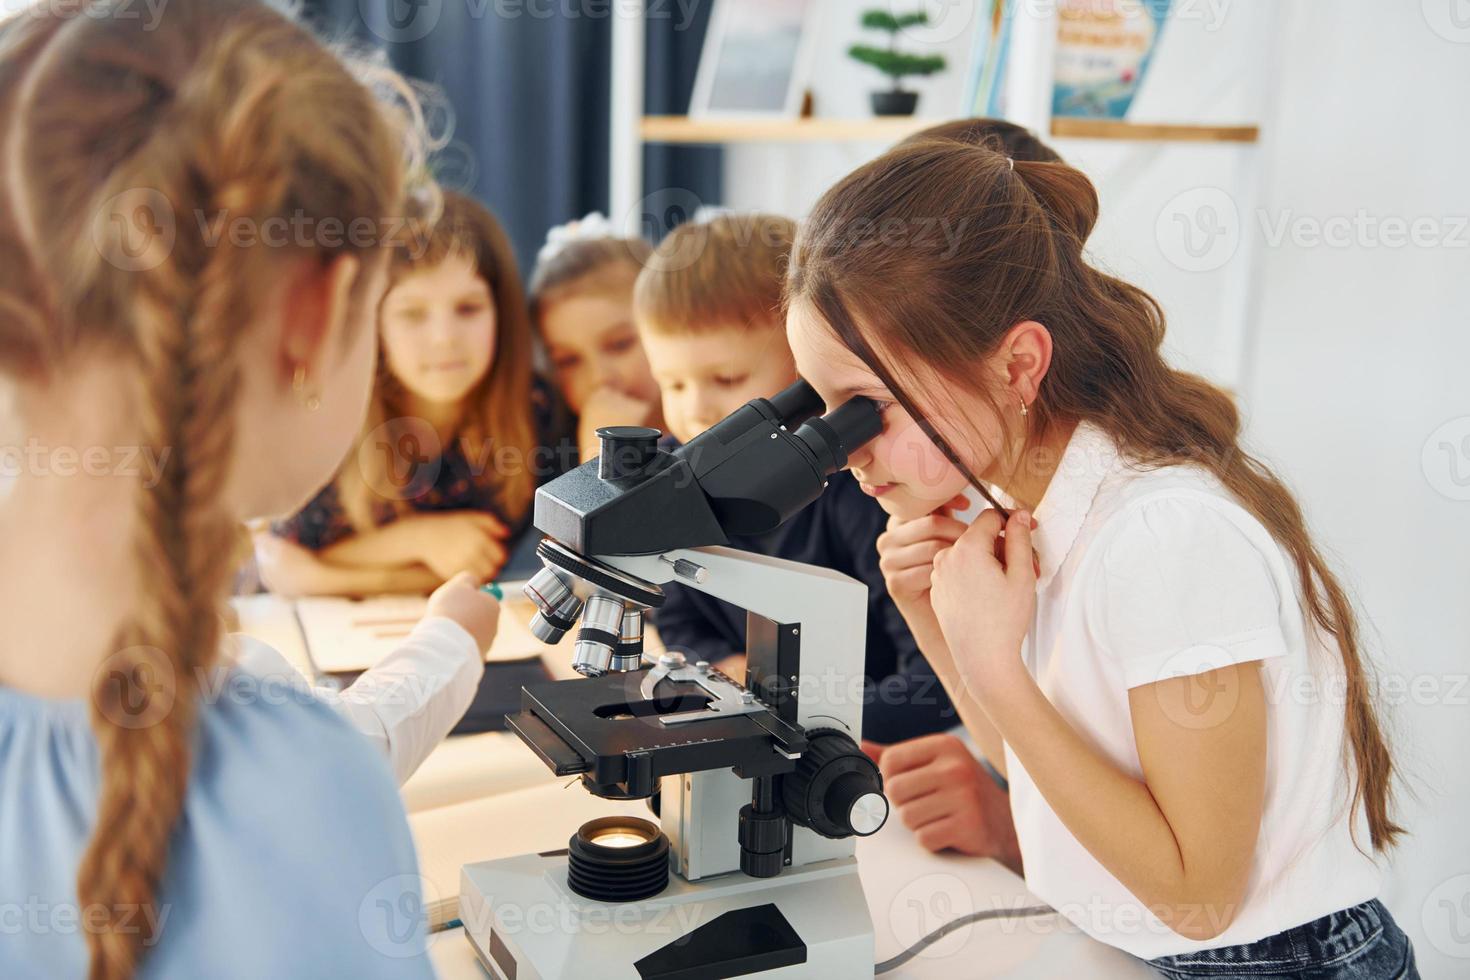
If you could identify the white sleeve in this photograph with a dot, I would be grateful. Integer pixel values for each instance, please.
(410, 700)
(1183, 586)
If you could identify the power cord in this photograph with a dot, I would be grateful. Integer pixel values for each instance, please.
(893, 963)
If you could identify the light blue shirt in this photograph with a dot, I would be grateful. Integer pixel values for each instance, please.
(292, 858)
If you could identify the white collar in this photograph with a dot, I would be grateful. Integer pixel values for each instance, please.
(1091, 454)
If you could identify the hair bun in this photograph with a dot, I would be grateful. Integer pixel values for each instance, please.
(1065, 193)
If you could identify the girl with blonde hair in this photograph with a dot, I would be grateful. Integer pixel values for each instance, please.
(174, 814)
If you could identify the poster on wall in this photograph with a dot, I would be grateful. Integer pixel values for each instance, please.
(1103, 51)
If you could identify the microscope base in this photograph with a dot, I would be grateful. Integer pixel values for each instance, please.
(524, 923)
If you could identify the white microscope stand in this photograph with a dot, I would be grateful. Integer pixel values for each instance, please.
(526, 924)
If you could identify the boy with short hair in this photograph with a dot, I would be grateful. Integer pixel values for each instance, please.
(709, 313)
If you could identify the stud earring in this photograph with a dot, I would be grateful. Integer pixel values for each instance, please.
(312, 400)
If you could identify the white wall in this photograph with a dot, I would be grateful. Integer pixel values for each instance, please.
(1362, 354)
(1355, 382)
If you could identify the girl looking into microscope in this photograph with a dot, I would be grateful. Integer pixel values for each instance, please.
(1126, 656)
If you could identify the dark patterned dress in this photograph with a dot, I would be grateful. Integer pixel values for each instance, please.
(443, 481)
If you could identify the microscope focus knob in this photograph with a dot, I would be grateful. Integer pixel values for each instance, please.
(835, 789)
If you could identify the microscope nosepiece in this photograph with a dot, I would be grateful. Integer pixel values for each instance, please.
(557, 606)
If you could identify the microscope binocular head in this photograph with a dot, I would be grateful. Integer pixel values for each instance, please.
(745, 475)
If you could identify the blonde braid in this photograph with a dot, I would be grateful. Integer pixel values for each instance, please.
(225, 106)
(191, 312)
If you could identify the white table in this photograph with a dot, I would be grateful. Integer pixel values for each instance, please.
(910, 892)
(487, 796)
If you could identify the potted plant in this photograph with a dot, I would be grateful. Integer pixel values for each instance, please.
(896, 64)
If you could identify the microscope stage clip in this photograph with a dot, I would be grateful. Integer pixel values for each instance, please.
(729, 698)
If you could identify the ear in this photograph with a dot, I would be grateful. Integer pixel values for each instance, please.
(317, 302)
(1025, 357)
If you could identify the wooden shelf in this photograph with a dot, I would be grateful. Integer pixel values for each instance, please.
(682, 129)
(1119, 129)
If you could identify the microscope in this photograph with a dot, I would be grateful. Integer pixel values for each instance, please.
(760, 787)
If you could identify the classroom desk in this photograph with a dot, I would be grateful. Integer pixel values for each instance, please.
(910, 892)
(479, 797)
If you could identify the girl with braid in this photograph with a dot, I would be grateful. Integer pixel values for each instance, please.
(164, 811)
(1160, 660)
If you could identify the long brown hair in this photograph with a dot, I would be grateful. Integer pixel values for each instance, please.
(1010, 251)
(499, 413)
(223, 106)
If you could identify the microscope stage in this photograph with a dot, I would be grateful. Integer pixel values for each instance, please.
(602, 728)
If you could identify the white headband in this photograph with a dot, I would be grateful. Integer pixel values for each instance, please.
(590, 226)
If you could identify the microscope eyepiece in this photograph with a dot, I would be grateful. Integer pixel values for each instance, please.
(834, 435)
(796, 404)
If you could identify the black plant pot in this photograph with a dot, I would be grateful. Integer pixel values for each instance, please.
(895, 103)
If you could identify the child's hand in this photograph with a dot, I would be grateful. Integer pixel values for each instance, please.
(284, 565)
(462, 600)
(947, 799)
(461, 541)
(906, 552)
(984, 596)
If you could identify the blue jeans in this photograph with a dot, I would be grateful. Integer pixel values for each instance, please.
(1360, 943)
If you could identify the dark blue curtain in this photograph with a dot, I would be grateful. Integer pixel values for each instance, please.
(529, 87)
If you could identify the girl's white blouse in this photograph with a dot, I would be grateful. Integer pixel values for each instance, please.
(1151, 574)
(408, 702)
